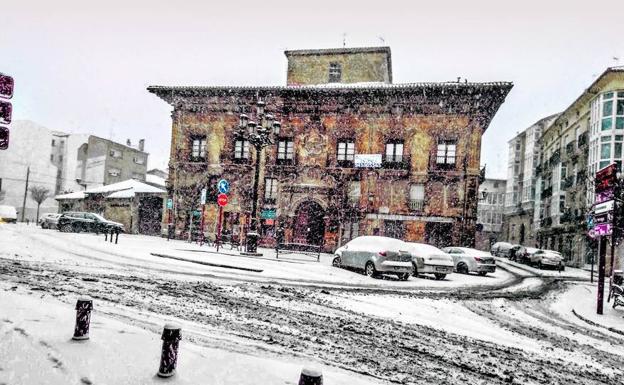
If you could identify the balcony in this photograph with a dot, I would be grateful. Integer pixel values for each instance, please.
(396, 163)
(582, 140)
(567, 217)
(580, 176)
(240, 160)
(567, 182)
(345, 163)
(546, 222)
(555, 158)
(538, 170)
(416, 205)
(547, 192)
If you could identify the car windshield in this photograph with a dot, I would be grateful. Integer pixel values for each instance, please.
(99, 217)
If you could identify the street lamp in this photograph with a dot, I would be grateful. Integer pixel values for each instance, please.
(259, 133)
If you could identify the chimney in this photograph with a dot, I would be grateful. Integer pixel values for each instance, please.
(128, 143)
(141, 144)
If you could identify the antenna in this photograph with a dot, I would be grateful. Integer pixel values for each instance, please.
(344, 39)
(616, 60)
(381, 39)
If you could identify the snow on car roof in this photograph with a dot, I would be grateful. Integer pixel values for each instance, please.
(378, 242)
(468, 250)
(424, 249)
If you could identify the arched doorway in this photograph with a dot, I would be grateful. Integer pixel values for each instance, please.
(309, 225)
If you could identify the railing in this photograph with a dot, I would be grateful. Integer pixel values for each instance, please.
(555, 158)
(538, 170)
(582, 140)
(416, 204)
(567, 182)
(546, 222)
(570, 148)
(345, 163)
(547, 192)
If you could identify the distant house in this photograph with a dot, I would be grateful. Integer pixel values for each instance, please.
(136, 204)
(156, 178)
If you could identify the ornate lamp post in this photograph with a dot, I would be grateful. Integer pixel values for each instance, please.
(260, 134)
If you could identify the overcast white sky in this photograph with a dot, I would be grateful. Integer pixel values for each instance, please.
(83, 66)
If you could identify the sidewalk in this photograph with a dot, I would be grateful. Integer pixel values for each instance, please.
(36, 348)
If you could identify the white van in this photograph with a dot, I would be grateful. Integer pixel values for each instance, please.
(8, 214)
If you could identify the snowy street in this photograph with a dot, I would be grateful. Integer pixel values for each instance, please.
(248, 320)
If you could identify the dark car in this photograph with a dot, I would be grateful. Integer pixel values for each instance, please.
(74, 221)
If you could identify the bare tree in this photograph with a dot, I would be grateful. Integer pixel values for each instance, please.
(39, 194)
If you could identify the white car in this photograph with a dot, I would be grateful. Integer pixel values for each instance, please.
(8, 214)
(501, 249)
(375, 255)
(469, 260)
(49, 221)
(547, 258)
(427, 259)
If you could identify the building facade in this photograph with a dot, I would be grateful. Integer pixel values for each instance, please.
(490, 210)
(587, 136)
(524, 156)
(102, 162)
(338, 106)
(57, 161)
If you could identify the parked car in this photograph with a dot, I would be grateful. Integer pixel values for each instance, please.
(80, 221)
(427, 259)
(547, 258)
(500, 249)
(468, 260)
(8, 214)
(524, 254)
(375, 255)
(49, 221)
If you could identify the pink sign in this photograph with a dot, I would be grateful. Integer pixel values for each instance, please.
(603, 229)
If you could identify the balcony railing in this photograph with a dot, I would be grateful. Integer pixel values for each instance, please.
(570, 148)
(567, 182)
(546, 222)
(345, 163)
(547, 192)
(582, 140)
(416, 204)
(555, 158)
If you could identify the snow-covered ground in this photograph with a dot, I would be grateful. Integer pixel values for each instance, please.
(276, 316)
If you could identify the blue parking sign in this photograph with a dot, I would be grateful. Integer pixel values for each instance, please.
(223, 186)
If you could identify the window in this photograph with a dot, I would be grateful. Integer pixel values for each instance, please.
(394, 152)
(285, 151)
(445, 154)
(270, 190)
(354, 192)
(335, 72)
(114, 172)
(241, 149)
(52, 158)
(346, 152)
(139, 160)
(198, 148)
(53, 142)
(417, 197)
(60, 158)
(115, 153)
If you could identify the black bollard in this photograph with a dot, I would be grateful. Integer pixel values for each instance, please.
(116, 235)
(111, 235)
(83, 318)
(310, 377)
(169, 358)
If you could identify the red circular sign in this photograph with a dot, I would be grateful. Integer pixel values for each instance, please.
(222, 199)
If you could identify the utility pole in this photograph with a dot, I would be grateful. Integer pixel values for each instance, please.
(25, 192)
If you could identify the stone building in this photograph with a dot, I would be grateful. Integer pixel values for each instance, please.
(490, 213)
(339, 106)
(586, 137)
(520, 224)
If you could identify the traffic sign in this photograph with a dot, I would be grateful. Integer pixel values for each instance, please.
(268, 214)
(606, 178)
(169, 203)
(604, 207)
(603, 229)
(606, 217)
(6, 86)
(222, 200)
(6, 110)
(4, 138)
(223, 186)
(202, 198)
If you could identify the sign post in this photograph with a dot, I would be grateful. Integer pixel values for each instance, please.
(605, 182)
(202, 202)
(6, 108)
(222, 200)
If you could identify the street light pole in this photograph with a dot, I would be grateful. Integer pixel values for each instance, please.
(259, 135)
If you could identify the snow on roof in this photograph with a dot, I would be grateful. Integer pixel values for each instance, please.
(424, 249)
(73, 195)
(126, 189)
(155, 180)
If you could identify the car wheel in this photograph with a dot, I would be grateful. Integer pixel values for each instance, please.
(403, 276)
(336, 262)
(462, 268)
(370, 270)
(483, 273)
(76, 228)
(414, 270)
(43, 226)
(561, 267)
(439, 276)
(66, 228)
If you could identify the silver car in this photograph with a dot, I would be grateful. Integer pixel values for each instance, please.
(547, 258)
(49, 221)
(375, 255)
(471, 260)
(429, 259)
